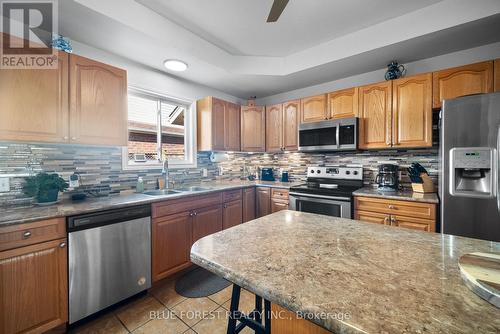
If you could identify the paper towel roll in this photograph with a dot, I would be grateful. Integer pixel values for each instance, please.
(219, 157)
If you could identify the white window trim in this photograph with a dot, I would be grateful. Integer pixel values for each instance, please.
(190, 139)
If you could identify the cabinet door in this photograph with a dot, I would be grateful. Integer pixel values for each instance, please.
(343, 103)
(98, 103)
(412, 111)
(218, 124)
(263, 200)
(248, 204)
(372, 217)
(171, 243)
(291, 114)
(463, 80)
(497, 75)
(232, 214)
(375, 112)
(274, 128)
(232, 127)
(253, 129)
(34, 104)
(207, 221)
(33, 288)
(278, 205)
(414, 223)
(314, 109)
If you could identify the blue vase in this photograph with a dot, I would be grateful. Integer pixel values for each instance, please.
(394, 71)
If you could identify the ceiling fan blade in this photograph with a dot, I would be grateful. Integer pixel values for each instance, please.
(276, 10)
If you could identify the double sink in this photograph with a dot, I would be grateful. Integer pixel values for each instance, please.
(163, 192)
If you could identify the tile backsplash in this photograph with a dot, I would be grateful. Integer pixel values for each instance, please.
(101, 167)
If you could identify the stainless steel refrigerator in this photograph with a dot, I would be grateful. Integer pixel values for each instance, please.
(469, 166)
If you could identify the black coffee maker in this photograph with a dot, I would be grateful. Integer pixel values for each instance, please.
(387, 178)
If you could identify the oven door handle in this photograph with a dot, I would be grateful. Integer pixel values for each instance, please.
(333, 198)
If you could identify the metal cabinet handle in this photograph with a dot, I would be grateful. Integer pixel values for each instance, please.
(195, 213)
(394, 222)
(191, 214)
(225, 206)
(62, 245)
(392, 207)
(65, 137)
(386, 220)
(26, 235)
(73, 138)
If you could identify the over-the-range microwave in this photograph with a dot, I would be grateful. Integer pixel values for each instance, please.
(330, 135)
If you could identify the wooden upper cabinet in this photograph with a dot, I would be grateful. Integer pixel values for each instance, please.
(412, 111)
(34, 104)
(218, 125)
(497, 75)
(34, 288)
(343, 103)
(253, 129)
(274, 128)
(291, 114)
(375, 113)
(232, 125)
(460, 81)
(98, 103)
(314, 108)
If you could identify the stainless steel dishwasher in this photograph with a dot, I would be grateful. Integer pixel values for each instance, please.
(109, 258)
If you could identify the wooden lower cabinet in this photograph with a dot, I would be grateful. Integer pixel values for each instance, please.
(171, 243)
(406, 214)
(249, 204)
(278, 205)
(263, 201)
(232, 214)
(206, 221)
(286, 322)
(34, 287)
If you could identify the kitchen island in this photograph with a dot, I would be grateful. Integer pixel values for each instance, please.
(352, 277)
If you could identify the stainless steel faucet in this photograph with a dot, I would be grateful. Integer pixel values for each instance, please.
(165, 173)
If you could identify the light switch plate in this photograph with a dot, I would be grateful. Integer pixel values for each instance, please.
(205, 172)
(4, 184)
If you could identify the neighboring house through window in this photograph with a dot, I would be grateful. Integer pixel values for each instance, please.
(159, 128)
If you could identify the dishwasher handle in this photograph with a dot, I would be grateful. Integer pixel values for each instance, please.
(82, 222)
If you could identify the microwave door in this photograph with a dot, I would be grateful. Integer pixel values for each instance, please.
(319, 137)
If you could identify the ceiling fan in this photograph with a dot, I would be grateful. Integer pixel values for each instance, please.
(276, 10)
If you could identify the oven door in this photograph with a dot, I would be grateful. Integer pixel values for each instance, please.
(323, 205)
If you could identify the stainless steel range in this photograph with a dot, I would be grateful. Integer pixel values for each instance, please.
(328, 190)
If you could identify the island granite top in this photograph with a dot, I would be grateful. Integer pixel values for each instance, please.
(402, 195)
(366, 278)
(18, 215)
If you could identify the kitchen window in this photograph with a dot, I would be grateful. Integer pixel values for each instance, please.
(159, 128)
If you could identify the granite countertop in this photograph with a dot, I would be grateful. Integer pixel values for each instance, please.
(367, 278)
(402, 195)
(18, 215)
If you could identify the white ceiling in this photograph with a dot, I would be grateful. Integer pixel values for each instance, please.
(244, 56)
(240, 27)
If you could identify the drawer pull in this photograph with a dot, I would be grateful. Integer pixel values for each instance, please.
(386, 220)
(392, 207)
(26, 235)
(62, 245)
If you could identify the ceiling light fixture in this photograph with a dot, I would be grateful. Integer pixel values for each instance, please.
(175, 65)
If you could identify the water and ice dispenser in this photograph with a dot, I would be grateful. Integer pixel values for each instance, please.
(473, 172)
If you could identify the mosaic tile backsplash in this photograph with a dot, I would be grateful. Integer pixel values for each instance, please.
(101, 167)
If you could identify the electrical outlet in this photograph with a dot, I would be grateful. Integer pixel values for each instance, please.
(4, 184)
(205, 172)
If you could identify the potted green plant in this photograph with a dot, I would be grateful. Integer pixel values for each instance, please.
(44, 187)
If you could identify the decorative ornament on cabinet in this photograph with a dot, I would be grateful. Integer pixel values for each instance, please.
(62, 43)
(394, 71)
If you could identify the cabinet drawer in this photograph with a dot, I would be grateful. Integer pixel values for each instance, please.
(173, 206)
(32, 233)
(414, 223)
(231, 195)
(372, 217)
(402, 208)
(279, 193)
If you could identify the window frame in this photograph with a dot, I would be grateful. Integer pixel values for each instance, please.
(190, 147)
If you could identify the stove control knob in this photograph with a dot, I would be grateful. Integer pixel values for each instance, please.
(355, 172)
(312, 171)
(347, 172)
(318, 171)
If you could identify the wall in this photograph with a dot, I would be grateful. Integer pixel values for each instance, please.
(469, 56)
